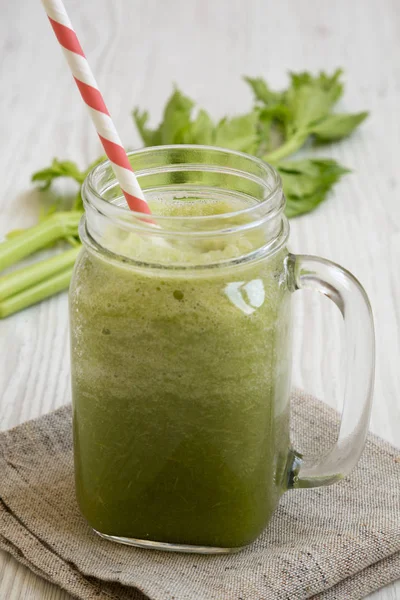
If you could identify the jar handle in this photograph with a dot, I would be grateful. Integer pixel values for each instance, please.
(324, 276)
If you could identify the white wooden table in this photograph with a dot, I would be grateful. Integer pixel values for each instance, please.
(137, 48)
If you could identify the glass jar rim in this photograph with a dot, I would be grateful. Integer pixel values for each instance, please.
(199, 173)
(268, 177)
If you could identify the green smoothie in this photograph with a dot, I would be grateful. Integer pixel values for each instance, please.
(180, 390)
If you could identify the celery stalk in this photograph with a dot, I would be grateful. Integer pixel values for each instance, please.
(15, 282)
(38, 292)
(59, 225)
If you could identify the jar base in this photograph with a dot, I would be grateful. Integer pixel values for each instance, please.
(149, 545)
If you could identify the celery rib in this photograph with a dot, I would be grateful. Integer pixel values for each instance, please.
(59, 225)
(38, 292)
(15, 282)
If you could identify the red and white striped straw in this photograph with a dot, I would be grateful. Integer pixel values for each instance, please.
(93, 99)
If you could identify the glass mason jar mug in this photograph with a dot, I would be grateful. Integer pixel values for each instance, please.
(181, 353)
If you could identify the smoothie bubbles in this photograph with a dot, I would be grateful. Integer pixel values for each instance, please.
(181, 352)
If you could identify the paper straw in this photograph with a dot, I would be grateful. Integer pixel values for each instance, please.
(95, 104)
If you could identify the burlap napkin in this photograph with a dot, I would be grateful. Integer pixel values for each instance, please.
(334, 543)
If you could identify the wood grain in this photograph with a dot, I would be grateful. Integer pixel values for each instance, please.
(137, 49)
